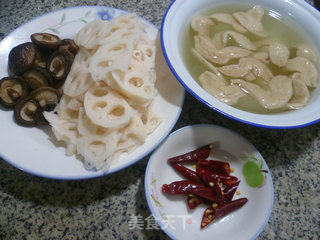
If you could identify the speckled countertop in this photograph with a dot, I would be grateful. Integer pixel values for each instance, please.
(37, 208)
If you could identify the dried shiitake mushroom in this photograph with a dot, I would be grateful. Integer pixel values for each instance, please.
(12, 89)
(26, 112)
(41, 59)
(59, 64)
(46, 40)
(22, 57)
(37, 77)
(41, 120)
(41, 67)
(47, 97)
(70, 46)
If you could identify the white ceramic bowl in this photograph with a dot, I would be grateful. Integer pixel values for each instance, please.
(171, 212)
(177, 19)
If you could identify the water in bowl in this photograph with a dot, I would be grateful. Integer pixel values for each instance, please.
(279, 28)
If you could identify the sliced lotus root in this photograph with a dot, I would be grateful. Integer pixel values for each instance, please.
(145, 39)
(151, 121)
(144, 56)
(113, 56)
(68, 108)
(135, 84)
(71, 149)
(78, 81)
(106, 108)
(90, 35)
(98, 150)
(125, 19)
(87, 127)
(122, 27)
(64, 130)
(132, 136)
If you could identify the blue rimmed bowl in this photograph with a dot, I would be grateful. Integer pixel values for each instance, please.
(175, 23)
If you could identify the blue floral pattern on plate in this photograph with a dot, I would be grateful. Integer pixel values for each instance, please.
(106, 14)
(103, 13)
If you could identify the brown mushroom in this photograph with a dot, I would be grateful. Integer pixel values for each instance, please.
(26, 112)
(47, 97)
(46, 40)
(41, 59)
(59, 64)
(41, 120)
(22, 57)
(70, 46)
(66, 50)
(37, 77)
(12, 89)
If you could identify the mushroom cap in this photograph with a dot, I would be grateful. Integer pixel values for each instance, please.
(41, 58)
(46, 40)
(12, 89)
(22, 57)
(70, 45)
(37, 77)
(46, 96)
(65, 48)
(26, 112)
(59, 64)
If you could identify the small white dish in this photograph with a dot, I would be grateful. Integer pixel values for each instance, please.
(177, 19)
(30, 149)
(243, 224)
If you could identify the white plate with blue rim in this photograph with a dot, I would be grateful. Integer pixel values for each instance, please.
(30, 149)
(171, 212)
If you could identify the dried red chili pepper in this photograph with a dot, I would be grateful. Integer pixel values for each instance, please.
(211, 172)
(192, 156)
(186, 187)
(217, 211)
(206, 193)
(181, 187)
(178, 187)
(186, 172)
(226, 208)
(215, 166)
(230, 191)
(193, 201)
(228, 180)
(208, 217)
(211, 179)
